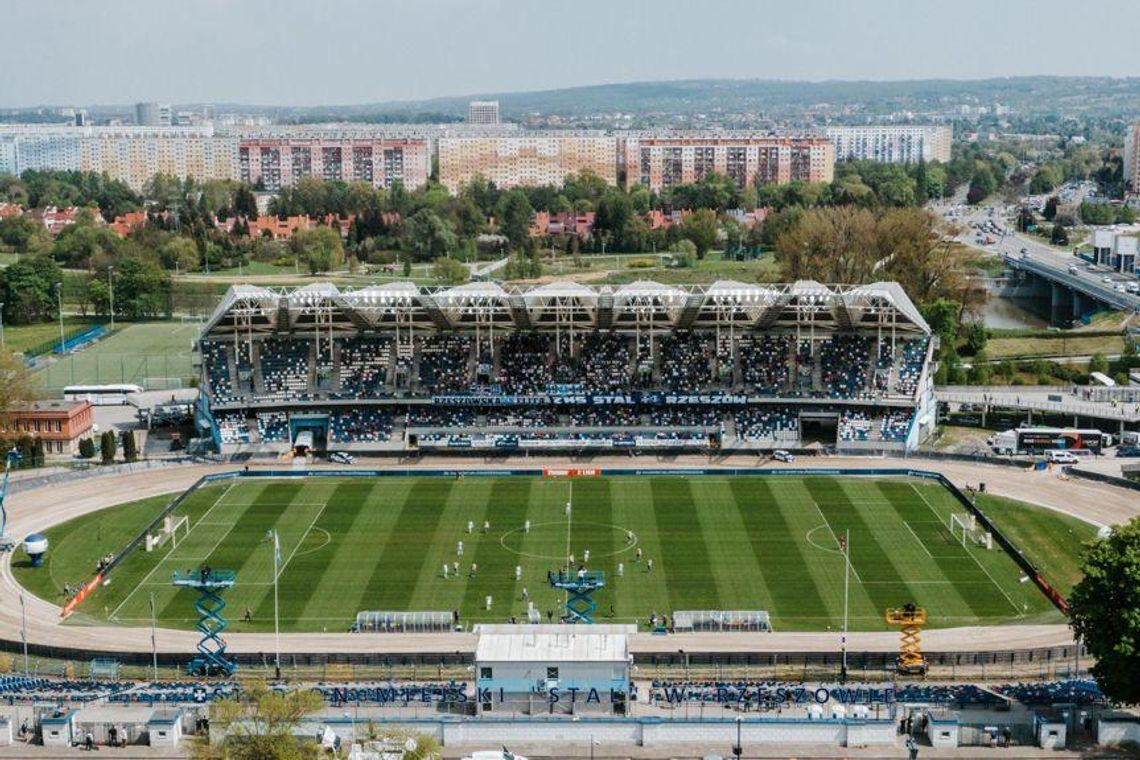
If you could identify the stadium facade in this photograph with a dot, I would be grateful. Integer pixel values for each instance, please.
(728, 366)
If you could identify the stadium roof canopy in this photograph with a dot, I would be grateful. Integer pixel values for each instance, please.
(643, 305)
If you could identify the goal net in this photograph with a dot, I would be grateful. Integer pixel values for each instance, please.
(168, 531)
(964, 528)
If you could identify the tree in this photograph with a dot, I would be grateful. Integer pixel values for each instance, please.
(975, 338)
(179, 254)
(1059, 235)
(429, 235)
(1098, 364)
(130, 450)
(38, 454)
(321, 249)
(86, 448)
(28, 287)
(1050, 210)
(701, 228)
(17, 389)
(450, 271)
(260, 724)
(142, 288)
(107, 447)
(1104, 611)
(514, 213)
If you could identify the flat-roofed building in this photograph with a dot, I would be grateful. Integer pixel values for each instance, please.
(273, 162)
(892, 144)
(483, 112)
(680, 159)
(527, 160)
(1132, 157)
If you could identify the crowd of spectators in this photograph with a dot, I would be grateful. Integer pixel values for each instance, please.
(764, 424)
(896, 425)
(285, 368)
(360, 426)
(685, 416)
(910, 369)
(273, 427)
(427, 416)
(605, 416)
(603, 362)
(444, 363)
(526, 417)
(364, 367)
(685, 361)
(524, 363)
(854, 425)
(1078, 691)
(764, 363)
(843, 362)
(215, 355)
(232, 427)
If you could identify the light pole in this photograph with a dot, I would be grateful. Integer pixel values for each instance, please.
(111, 286)
(1, 324)
(59, 297)
(737, 750)
(24, 632)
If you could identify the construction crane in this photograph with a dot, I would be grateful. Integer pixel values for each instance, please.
(6, 542)
(909, 619)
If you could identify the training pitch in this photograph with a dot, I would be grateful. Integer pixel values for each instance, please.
(726, 543)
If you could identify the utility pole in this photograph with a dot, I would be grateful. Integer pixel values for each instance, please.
(153, 643)
(111, 285)
(59, 297)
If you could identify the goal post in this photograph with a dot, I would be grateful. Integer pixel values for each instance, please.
(962, 525)
(168, 531)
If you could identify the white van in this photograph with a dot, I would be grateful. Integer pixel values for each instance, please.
(1059, 456)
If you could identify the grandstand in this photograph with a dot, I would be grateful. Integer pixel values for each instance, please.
(728, 366)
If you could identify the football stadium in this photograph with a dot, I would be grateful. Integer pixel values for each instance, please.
(651, 515)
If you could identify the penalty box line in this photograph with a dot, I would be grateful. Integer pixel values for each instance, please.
(1018, 611)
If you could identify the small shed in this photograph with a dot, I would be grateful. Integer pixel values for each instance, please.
(111, 724)
(165, 729)
(1051, 728)
(59, 729)
(942, 729)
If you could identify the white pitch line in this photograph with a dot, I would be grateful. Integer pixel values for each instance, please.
(834, 537)
(1008, 598)
(159, 564)
(919, 540)
(300, 541)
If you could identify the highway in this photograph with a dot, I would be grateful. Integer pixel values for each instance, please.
(1024, 252)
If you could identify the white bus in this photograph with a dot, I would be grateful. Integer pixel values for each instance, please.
(1039, 440)
(101, 395)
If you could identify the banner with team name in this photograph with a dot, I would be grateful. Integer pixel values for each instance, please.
(644, 398)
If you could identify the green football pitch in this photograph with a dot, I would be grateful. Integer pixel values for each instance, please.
(717, 543)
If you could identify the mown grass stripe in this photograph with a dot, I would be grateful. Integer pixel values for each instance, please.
(506, 509)
(405, 547)
(684, 551)
(778, 549)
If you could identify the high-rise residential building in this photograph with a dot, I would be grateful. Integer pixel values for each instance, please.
(658, 161)
(1132, 157)
(528, 159)
(483, 112)
(131, 154)
(279, 159)
(153, 114)
(892, 144)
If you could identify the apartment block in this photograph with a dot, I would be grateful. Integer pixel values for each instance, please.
(273, 162)
(483, 112)
(678, 159)
(1132, 157)
(891, 144)
(526, 160)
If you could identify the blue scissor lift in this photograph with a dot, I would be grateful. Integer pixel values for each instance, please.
(209, 584)
(579, 588)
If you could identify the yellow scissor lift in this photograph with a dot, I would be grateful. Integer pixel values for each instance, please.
(909, 620)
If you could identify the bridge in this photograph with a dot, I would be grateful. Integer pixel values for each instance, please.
(1119, 407)
(1065, 292)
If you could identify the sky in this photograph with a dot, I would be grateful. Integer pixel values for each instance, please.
(333, 52)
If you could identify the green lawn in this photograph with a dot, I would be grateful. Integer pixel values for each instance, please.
(1052, 541)
(717, 543)
(153, 354)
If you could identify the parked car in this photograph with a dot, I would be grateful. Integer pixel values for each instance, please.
(1059, 456)
(783, 456)
(341, 457)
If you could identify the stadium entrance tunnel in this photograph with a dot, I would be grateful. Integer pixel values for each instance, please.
(548, 540)
(309, 431)
(819, 428)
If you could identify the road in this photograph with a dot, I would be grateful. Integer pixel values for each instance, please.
(1030, 253)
